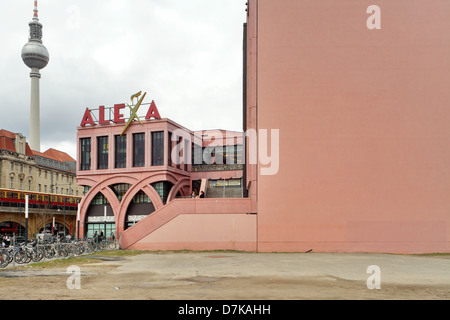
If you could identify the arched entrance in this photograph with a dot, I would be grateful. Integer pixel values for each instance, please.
(100, 217)
(12, 229)
(140, 207)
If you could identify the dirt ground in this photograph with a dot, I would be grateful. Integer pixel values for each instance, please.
(234, 276)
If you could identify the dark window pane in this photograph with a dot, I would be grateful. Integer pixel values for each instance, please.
(139, 150)
(158, 148)
(121, 151)
(103, 151)
(85, 153)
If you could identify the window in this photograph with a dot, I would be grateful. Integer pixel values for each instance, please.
(103, 151)
(169, 148)
(141, 197)
(197, 154)
(12, 166)
(85, 154)
(11, 183)
(99, 199)
(120, 190)
(139, 150)
(163, 189)
(121, 151)
(29, 185)
(158, 148)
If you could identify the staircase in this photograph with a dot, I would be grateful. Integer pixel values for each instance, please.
(179, 207)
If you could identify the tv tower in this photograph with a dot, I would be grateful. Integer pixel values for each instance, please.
(36, 57)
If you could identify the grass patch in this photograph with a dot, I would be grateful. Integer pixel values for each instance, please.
(118, 253)
(59, 263)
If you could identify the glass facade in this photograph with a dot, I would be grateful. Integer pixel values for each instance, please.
(158, 148)
(121, 151)
(102, 152)
(106, 228)
(85, 144)
(138, 150)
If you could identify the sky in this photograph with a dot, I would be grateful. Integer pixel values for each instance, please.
(186, 54)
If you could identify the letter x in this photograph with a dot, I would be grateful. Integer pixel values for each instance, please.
(134, 113)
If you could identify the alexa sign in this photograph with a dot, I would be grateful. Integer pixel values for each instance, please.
(117, 116)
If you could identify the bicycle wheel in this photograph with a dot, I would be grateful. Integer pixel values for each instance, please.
(29, 255)
(20, 257)
(49, 253)
(112, 245)
(4, 259)
(37, 255)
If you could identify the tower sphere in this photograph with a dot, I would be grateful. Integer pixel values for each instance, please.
(35, 55)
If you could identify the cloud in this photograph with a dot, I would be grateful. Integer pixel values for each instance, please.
(186, 54)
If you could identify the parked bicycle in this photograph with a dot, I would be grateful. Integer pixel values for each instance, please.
(36, 251)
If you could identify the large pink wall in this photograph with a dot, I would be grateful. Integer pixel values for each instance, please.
(364, 119)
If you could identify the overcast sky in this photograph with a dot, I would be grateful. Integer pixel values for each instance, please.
(186, 54)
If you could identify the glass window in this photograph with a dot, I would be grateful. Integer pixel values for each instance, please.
(106, 228)
(197, 154)
(121, 151)
(158, 148)
(169, 148)
(120, 190)
(141, 197)
(138, 150)
(103, 152)
(99, 199)
(85, 154)
(163, 188)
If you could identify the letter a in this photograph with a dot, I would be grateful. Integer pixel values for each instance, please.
(374, 281)
(374, 21)
(153, 112)
(87, 118)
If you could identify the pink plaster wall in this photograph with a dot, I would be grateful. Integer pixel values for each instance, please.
(196, 224)
(364, 124)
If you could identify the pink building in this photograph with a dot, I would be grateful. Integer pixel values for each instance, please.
(139, 182)
(360, 94)
(346, 145)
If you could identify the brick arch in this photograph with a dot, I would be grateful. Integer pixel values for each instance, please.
(85, 203)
